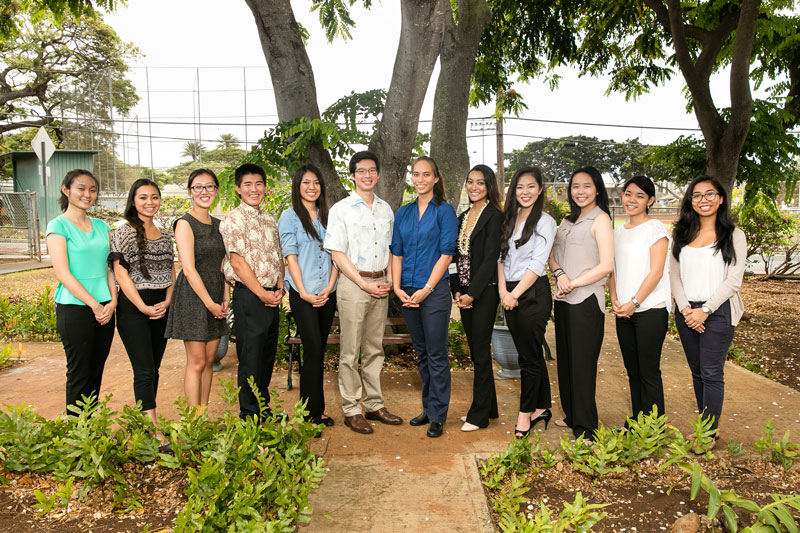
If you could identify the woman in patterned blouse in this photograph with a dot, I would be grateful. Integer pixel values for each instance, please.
(143, 262)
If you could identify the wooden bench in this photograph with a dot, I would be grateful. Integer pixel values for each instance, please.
(293, 340)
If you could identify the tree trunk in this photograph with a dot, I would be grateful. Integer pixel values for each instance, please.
(451, 101)
(420, 38)
(293, 78)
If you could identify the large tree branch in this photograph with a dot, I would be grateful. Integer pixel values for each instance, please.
(451, 100)
(793, 97)
(420, 38)
(11, 126)
(292, 77)
(716, 40)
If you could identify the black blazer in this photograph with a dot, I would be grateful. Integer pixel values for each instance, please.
(484, 249)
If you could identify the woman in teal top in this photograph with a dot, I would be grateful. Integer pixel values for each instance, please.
(85, 297)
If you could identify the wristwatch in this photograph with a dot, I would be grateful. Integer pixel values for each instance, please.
(706, 309)
(636, 302)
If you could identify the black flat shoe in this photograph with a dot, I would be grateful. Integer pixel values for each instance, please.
(321, 420)
(165, 448)
(546, 416)
(420, 420)
(435, 429)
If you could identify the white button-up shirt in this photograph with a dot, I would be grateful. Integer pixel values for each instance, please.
(362, 233)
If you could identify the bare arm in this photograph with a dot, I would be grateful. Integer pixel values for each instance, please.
(604, 235)
(439, 268)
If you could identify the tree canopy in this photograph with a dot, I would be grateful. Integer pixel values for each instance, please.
(46, 67)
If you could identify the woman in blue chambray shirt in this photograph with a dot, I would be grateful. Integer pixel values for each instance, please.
(423, 245)
(311, 278)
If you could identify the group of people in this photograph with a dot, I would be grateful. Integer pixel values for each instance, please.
(349, 257)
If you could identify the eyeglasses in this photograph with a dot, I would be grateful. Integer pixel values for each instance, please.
(361, 172)
(708, 195)
(201, 188)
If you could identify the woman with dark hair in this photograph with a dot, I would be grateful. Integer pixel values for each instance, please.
(85, 297)
(311, 278)
(706, 269)
(201, 297)
(527, 237)
(143, 262)
(473, 283)
(581, 259)
(639, 290)
(423, 245)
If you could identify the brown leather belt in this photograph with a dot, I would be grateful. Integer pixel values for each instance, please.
(372, 275)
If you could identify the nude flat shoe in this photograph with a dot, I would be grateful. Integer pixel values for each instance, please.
(469, 427)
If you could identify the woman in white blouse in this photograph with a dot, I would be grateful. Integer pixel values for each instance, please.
(706, 269)
(527, 235)
(639, 290)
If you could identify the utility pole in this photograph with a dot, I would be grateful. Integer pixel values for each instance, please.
(501, 157)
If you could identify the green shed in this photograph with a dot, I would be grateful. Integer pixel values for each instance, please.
(27, 175)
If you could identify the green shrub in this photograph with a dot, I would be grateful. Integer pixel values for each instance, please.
(27, 319)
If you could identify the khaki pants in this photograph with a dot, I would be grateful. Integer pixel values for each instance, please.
(362, 320)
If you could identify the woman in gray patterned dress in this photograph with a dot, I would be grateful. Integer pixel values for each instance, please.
(201, 297)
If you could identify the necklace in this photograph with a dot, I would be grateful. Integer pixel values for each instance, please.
(466, 232)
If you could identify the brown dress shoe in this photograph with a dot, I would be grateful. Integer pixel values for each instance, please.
(384, 416)
(358, 424)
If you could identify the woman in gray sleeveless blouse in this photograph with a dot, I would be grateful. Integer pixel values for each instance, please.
(581, 260)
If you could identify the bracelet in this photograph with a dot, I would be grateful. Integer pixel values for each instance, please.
(636, 302)
(429, 287)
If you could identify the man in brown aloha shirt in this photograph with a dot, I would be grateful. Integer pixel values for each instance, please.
(254, 266)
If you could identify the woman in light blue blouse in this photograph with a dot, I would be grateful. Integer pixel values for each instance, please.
(423, 245)
(86, 297)
(311, 278)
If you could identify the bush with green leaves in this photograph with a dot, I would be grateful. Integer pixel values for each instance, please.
(769, 233)
(29, 319)
(243, 475)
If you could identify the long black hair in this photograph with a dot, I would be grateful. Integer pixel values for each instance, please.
(511, 207)
(688, 224)
(602, 194)
(300, 208)
(438, 186)
(492, 190)
(132, 216)
(71, 176)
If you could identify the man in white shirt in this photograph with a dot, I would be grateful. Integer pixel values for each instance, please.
(358, 236)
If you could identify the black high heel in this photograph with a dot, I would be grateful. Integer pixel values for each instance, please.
(546, 416)
(519, 434)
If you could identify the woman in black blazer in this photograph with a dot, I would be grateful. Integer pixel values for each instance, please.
(474, 287)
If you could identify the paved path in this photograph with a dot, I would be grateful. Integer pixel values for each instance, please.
(397, 479)
(22, 266)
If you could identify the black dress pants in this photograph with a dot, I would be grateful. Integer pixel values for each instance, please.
(641, 338)
(256, 343)
(478, 323)
(86, 344)
(579, 337)
(313, 325)
(527, 323)
(145, 343)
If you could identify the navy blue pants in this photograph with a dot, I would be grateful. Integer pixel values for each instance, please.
(428, 327)
(706, 354)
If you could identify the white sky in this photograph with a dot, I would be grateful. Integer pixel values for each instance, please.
(178, 37)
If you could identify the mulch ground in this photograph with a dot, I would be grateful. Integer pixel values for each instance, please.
(640, 499)
(769, 332)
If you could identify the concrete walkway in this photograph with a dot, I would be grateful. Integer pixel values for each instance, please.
(23, 265)
(397, 479)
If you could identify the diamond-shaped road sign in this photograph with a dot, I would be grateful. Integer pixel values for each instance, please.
(49, 147)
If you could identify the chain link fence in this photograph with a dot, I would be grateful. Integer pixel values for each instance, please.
(19, 226)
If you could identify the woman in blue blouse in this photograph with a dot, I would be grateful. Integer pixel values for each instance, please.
(311, 278)
(423, 245)
(85, 297)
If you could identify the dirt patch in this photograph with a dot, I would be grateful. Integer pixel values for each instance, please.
(160, 494)
(28, 283)
(769, 333)
(639, 499)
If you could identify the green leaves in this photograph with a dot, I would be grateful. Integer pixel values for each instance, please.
(29, 318)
